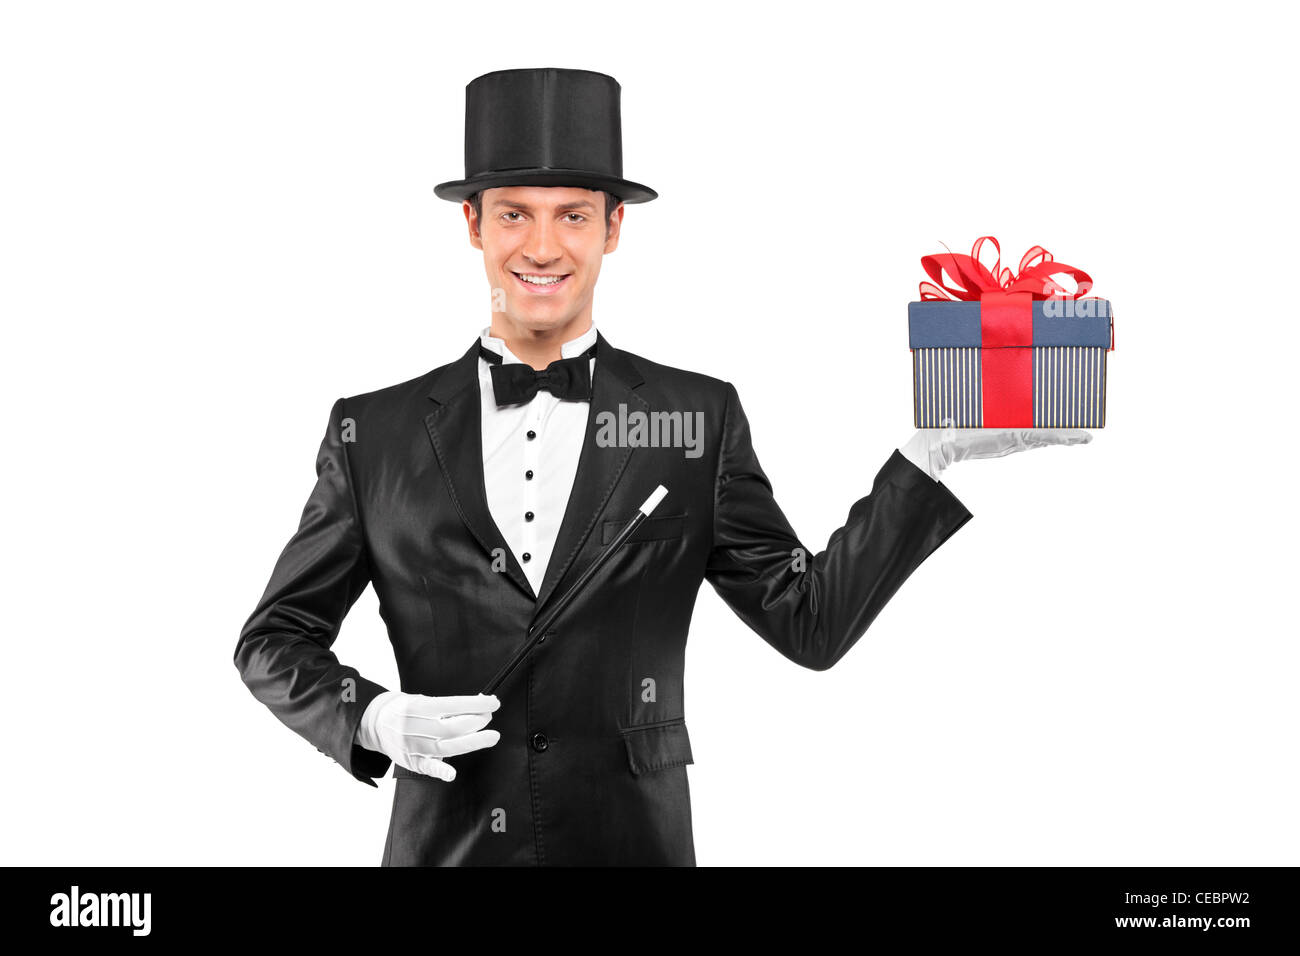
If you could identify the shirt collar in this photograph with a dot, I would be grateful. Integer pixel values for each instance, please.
(568, 350)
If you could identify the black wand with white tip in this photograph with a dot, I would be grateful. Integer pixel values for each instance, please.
(538, 630)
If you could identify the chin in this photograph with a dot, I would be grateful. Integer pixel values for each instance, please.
(543, 317)
(538, 323)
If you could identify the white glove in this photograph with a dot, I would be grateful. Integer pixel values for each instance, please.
(934, 449)
(417, 731)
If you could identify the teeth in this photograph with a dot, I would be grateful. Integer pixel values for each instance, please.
(539, 280)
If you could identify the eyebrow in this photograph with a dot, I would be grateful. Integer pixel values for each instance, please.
(564, 207)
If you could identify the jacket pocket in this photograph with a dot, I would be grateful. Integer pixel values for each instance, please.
(651, 529)
(658, 746)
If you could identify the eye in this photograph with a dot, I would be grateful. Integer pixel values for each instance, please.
(580, 217)
(512, 212)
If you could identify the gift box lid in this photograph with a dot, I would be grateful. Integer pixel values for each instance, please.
(942, 323)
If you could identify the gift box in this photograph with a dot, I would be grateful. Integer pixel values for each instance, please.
(993, 348)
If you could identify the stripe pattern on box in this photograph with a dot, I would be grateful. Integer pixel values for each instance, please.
(1069, 387)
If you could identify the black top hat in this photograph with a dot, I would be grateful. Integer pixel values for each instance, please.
(543, 127)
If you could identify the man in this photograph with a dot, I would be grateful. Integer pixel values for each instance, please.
(473, 496)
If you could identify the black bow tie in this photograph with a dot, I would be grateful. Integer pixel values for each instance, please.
(514, 383)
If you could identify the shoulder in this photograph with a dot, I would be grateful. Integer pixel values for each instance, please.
(391, 397)
(384, 418)
(670, 379)
(412, 396)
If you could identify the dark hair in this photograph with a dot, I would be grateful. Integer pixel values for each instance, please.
(611, 203)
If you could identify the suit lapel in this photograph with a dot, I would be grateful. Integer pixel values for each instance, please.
(599, 469)
(455, 429)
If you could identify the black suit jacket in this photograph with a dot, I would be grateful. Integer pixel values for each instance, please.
(591, 765)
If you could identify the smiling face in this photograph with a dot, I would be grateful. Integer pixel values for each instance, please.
(542, 246)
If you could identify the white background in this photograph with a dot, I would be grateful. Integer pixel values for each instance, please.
(218, 218)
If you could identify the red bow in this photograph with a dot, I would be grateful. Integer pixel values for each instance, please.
(1036, 275)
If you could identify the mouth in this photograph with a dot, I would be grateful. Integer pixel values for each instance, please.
(542, 283)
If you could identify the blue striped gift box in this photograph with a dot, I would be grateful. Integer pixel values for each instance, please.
(1069, 387)
(1069, 363)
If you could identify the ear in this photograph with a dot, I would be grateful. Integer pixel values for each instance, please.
(471, 220)
(615, 226)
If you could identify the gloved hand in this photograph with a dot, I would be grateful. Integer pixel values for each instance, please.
(934, 449)
(416, 731)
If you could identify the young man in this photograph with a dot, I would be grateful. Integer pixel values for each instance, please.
(473, 496)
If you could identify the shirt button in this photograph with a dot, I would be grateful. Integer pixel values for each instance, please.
(531, 434)
(528, 516)
(527, 556)
(528, 475)
(540, 742)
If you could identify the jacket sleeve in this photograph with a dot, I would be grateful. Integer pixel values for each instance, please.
(814, 608)
(283, 654)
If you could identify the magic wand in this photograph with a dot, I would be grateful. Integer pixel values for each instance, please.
(538, 630)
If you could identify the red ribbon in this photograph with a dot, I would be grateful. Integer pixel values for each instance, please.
(1006, 319)
(1036, 275)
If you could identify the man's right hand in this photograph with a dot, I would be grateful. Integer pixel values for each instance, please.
(416, 731)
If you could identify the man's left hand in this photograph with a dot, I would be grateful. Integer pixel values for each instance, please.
(934, 449)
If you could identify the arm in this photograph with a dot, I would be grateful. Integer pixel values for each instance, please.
(283, 654)
(815, 614)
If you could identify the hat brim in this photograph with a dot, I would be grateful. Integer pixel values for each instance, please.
(459, 190)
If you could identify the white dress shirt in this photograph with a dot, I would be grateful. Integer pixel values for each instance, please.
(529, 480)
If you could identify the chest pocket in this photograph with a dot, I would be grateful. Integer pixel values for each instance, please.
(658, 746)
(651, 529)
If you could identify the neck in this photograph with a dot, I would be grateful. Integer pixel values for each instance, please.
(538, 347)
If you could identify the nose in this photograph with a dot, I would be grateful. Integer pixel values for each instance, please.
(541, 247)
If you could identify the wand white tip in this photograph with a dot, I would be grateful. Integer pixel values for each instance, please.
(652, 502)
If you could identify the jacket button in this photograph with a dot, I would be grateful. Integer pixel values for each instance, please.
(540, 742)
